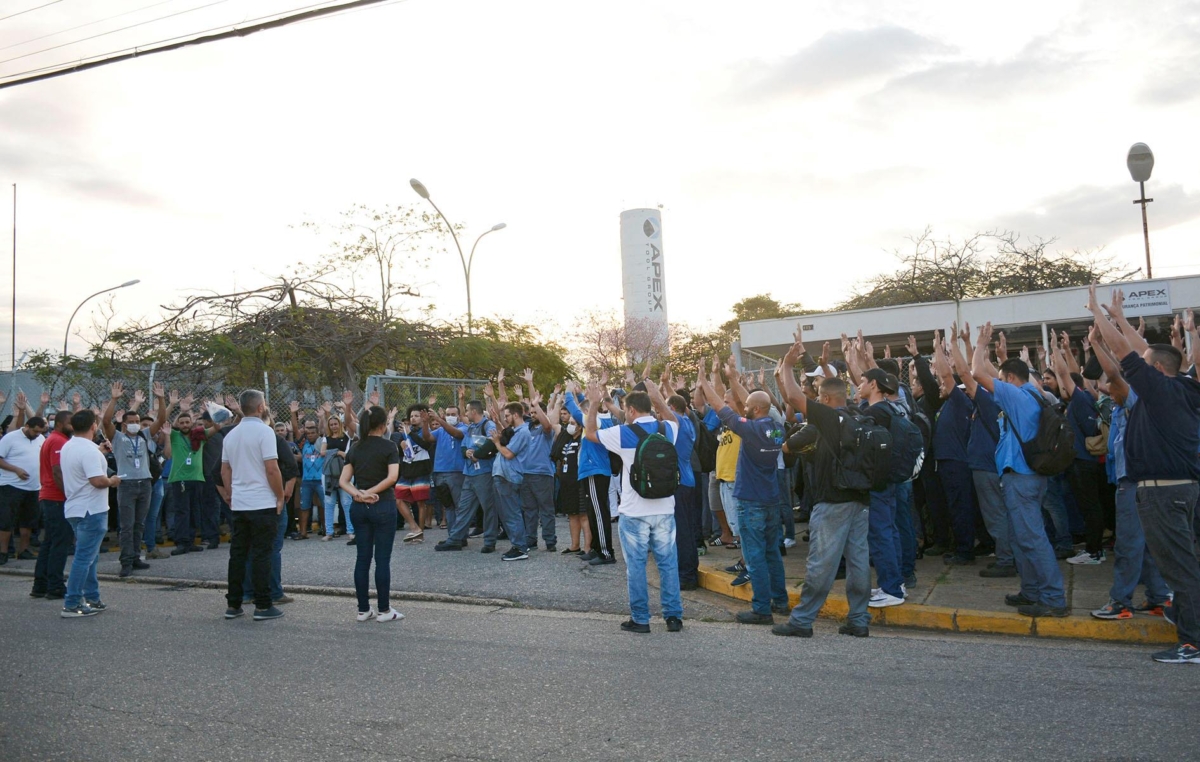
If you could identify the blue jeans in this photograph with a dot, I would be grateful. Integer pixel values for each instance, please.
(508, 505)
(729, 505)
(376, 536)
(52, 556)
(906, 529)
(1133, 564)
(150, 536)
(836, 530)
(641, 535)
(454, 481)
(82, 584)
(995, 515)
(1041, 579)
(785, 476)
(760, 549)
(1056, 506)
(884, 541)
(311, 491)
(537, 506)
(477, 492)
(332, 500)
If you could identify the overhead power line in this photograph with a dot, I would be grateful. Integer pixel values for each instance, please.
(163, 46)
(90, 23)
(29, 10)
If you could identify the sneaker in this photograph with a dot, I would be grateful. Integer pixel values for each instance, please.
(602, 561)
(740, 579)
(214, 545)
(787, 629)
(689, 586)
(903, 590)
(475, 533)
(589, 555)
(884, 599)
(26, 555)
(1168, 610)
(3, 559)
(140, 566)
(233, 612)
(283, 599)
(1087, 559)
(789, 543)
(737, 568)
(366, 616)
(391, 615)
(81, 610)
(575, 552)
(1017, 599)
(179, 550)
(1040, 609)
(488, 549)
(674, 624)
(1113, 610)
(514, 554)
(327, 538)
(998, 571)
(753, 617)
(96, 605)
(261, 615)
(157, 555)
(632, 626)
(1184, 653)
(854, 630)
(126, 570)
(352, 540)
(1151, 609)
(195, 548)
(911, 580)
(448, 545)
(37, 593)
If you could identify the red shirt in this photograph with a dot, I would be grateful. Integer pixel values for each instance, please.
(50, 456)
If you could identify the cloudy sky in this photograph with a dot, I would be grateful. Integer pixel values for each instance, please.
(792, 145)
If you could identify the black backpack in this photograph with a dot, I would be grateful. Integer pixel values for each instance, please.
(654, 472)
(1052, 449)
(865, 458)
(908, 446)
(706, 445)
(154, 459)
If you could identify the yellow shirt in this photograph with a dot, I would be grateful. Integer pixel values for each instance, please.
(728, 447)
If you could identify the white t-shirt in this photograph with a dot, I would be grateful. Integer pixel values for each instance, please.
(24, 453)
(81, 459)
(247, 448)
(623, 442)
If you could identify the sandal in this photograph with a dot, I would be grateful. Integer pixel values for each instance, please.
(415, 537)
(569, 551)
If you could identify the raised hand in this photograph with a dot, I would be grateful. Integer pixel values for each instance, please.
(558, 388)
(348, 398)
(887, 351)
(118, 390)
(173, 397)
(488, 391)
(294, 406)
(139, 398)
(1002, 347)
(1141, 329)
(45, 399)
(186, 402)
(462, 390)
(159, 391)
(77, 401)
(327, 408)
(604, 378)
(373, 398)
(528, 375)
(1025, 355)
(1041, 353)
(500, 376)
(966, 334)
(911, 346)
(825, 354)
(1189, 321)
(432, 401)
(798, 334)
(21, 402)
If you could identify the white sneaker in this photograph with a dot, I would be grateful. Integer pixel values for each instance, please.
(876, 592)
(327, 538)
(883, 599)
(789, 543)
(903, 590)
(390, 615)
(1087, 559)
(366, 616)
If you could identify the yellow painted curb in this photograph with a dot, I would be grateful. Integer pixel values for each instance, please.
(1143, 630)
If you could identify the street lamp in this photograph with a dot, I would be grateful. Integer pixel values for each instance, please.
(1140, 162)
(67, 335)
(423, 192)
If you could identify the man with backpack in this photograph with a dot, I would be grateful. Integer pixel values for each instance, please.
(131, 448)
(838, 526)
(757, 493)
(649, 478)
(1022, 486)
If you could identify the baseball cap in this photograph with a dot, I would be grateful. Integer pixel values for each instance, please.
(818, 372)
(888, 384)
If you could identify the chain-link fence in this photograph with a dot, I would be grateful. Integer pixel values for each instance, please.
(71, 389)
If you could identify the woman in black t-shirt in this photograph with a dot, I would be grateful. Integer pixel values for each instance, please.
(372, 467)
(565, 454)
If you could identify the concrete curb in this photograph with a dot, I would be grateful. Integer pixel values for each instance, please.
(341, 592)
(1141, 630)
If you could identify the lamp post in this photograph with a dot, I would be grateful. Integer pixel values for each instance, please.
(1140, 162)
(67, 335)
(423, 192)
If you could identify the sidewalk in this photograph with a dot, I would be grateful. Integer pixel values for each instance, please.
(957, 599)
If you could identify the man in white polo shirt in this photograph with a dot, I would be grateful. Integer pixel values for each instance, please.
(20, 480)
(252, 485)
(647, 524)
(86, 483)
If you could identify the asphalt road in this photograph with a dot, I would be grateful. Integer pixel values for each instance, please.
(161, 675)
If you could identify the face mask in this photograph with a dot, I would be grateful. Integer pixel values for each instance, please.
(452, 420)
(133, 428)
(572, 428)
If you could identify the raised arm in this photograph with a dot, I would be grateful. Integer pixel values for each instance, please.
(503, 398)
(117, 391)
(1062, 371)
(656, 398)
(160, 418)
(963, 368)
(786, 377)
(590, 430)
(294, 408)
(1118, 389)
(981, 365)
